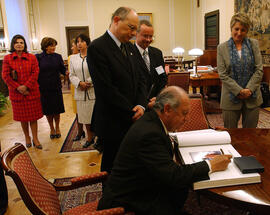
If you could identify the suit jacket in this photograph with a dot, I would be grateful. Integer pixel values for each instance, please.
(119, 86)
(27, 70)
(152, 77)
(144, 178)
(229, 85)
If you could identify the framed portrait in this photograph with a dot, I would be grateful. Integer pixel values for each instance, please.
(146, 16)
(72, 33)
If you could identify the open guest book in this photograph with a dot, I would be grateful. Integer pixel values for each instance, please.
(202, 145)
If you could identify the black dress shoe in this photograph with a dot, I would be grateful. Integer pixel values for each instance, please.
(78, 137)
(98, 146)
(88, 143)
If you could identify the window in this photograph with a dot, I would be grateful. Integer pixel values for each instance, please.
(211, 29)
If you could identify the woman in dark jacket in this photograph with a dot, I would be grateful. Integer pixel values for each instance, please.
(51, 65)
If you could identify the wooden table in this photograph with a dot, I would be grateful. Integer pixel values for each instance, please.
(254, 198)
(205, 80)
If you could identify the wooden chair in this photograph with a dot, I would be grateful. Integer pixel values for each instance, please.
(180, 79)
(39, 195)
(196, 118)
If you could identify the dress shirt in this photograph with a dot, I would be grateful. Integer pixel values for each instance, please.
(141, 50)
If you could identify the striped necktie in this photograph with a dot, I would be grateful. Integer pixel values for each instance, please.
(146, 59)
(123, 49)
(176, 151)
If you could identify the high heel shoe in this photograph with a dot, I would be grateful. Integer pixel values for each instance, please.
(78, 137)
(28, 145)
(88, 143)
(37, 146)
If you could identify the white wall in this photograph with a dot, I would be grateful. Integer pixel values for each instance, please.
(16, 19)
(226, 11)
(169, 19)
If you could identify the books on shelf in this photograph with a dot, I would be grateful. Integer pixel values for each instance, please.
(201, 145)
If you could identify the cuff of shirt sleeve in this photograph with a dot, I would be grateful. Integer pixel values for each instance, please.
(209, 165)
(142, 107)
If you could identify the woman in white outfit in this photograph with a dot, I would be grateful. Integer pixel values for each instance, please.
(84, 91)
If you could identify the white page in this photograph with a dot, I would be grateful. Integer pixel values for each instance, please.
(202, 137)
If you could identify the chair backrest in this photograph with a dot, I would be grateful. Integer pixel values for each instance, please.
(180, 79)
(38, 194)
(196, 118)
(209, 57)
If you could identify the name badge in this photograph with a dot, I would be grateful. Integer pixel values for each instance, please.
(160, 70)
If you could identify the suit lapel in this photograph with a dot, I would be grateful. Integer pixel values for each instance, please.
(116, 51)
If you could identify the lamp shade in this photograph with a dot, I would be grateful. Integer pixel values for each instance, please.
(178, 50)
(195, 52)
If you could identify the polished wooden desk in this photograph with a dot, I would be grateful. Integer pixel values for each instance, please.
(254, 198)
(205, 80)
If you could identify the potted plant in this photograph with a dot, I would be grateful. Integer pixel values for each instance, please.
(3, 103)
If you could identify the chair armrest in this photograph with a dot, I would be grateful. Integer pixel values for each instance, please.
(111, 211)
(82, 181)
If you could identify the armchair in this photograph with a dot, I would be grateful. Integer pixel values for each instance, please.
(39, 195)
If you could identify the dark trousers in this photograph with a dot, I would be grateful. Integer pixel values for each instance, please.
(3, 192)
(110, 149)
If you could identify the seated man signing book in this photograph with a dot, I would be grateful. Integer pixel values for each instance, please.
(145, 178)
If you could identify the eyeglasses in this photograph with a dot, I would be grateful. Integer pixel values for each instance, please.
(151, 37)
(132, 27)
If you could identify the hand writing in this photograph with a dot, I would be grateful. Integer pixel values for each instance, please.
(220, 162)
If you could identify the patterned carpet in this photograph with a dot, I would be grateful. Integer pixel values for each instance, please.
(69, 145)
(71, 199)
(264, 122)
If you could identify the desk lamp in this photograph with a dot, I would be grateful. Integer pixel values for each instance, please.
(195, 53)
(178, 51)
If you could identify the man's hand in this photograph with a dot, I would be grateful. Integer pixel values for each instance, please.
(220, 162)
(138, 112)
(151, 102)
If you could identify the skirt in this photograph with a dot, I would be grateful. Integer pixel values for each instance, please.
(27, 110)
(52, 102)
(85, 111)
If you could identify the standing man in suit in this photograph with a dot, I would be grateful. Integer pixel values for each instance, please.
(151, 61)
(145, 179)
(119, 85)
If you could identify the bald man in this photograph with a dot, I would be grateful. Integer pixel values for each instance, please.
(118, 82)
(145, 179)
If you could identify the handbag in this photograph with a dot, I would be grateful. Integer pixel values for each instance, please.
(14, 75)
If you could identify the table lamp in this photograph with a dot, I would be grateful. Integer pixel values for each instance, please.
(195, 53)
(178, 51)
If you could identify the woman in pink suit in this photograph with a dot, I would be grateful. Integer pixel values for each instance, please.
(20, 72)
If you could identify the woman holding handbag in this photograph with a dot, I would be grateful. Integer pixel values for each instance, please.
(20, 73)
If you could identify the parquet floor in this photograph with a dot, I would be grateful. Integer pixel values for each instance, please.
(49, 161)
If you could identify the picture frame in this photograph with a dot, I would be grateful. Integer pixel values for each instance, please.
(72, 32)
(146, 16)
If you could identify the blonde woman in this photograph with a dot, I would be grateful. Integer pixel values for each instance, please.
(240, 69)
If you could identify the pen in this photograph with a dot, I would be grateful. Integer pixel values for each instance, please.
(222, 152)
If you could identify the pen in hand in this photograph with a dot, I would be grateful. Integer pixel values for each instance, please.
(222, 152)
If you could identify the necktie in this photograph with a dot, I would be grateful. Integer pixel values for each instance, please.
(123, 49)
(146, 60)
(176, 150)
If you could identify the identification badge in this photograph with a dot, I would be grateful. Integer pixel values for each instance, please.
(160, 70)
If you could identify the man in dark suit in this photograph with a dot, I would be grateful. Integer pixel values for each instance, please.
(151, 60)
(119, 84)
(145, 179)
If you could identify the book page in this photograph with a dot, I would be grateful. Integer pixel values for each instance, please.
(231, 176)
(202, 137)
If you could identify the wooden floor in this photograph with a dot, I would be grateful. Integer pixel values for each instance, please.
(49, 161)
